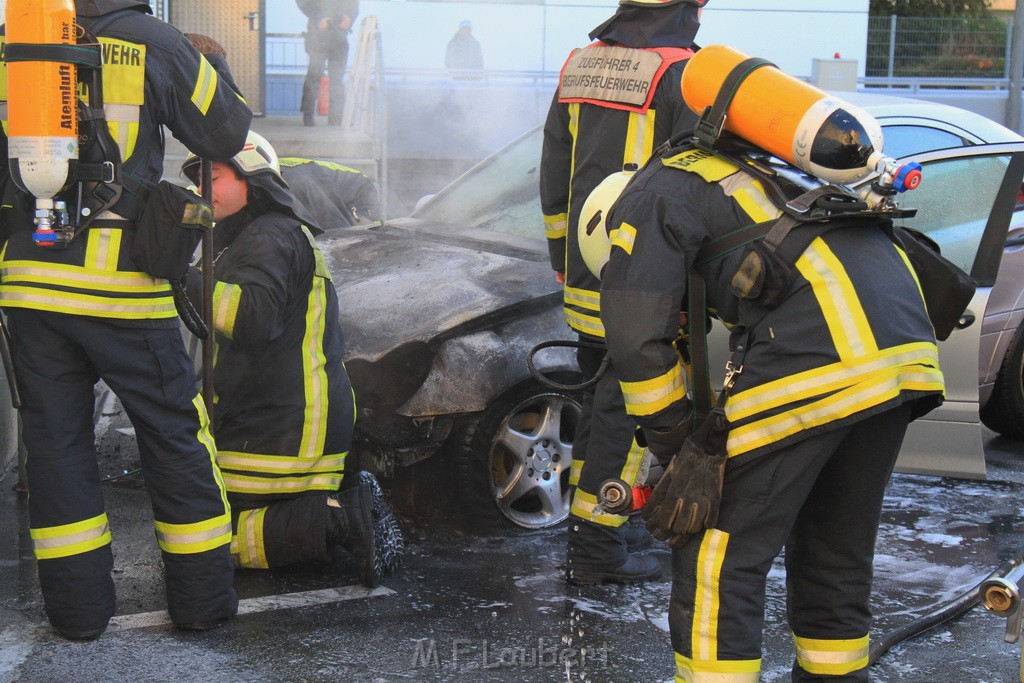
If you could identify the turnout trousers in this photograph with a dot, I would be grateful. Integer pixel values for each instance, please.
(328, 49)
(58, 359)
(821, 498)
(605, 448)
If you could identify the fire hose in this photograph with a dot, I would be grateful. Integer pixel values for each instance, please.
(548, 382)
(999, 592)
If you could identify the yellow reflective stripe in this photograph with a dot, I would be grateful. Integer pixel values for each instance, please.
(634, 462)
(239, 483)
(226, 299)
(910, 267)
(123, 123)
(827, 379)
(206, 86)
(584, 298)
(584, 506)
(103, 249)
(651, 395)
(588, 324)
(574, 471)
(247, 545)
(197, 537)
(750, 195)
(82, 277)
(624, 237)
(706, 606)
(639, 137)
(844, 315)
(574, 132)
(873, 391)
(314, 370)
(279, 464)
(729, 671)
(70, 539)
(557, 226)
(85, 304)
(831, 657)
(205, 437)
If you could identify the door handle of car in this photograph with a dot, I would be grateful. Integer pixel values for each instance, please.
(966, 320)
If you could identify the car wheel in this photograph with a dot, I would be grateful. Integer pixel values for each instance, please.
(1004, 411)
(515, 459)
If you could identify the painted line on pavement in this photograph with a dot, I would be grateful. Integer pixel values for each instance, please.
(270, 603)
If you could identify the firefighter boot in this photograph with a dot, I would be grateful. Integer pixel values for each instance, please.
(352, 528)
(387, 532)
(637, 537)
(598, 553)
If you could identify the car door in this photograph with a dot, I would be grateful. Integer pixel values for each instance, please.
(964, 203)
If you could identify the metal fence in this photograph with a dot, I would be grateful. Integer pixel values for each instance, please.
(915, 47)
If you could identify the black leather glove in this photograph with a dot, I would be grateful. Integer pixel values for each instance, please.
(685, 501)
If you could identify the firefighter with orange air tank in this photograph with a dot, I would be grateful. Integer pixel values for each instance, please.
(832, 356)
(79, 308)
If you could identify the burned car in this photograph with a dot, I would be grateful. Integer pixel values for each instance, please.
(440, 309)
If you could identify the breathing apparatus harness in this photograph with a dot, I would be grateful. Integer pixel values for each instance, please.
(100, 183)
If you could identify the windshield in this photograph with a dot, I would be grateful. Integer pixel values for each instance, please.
(499, 195)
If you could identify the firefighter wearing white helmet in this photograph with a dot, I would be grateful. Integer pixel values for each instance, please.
(284, 413)
(592, 229)
(617, 99)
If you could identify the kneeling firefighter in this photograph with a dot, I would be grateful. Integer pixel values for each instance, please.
(284, 409)
(81, 308)
(833, 354)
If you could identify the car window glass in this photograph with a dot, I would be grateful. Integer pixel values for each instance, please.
(500, 194)
(953, 203)
(903, 141)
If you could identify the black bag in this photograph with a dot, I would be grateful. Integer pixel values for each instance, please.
(171, 226)
(947, 289)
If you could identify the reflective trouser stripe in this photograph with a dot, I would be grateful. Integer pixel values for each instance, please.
(707, 602)
(238, 483)
(574, 471)
(584, 506)
(70, 539)
(198, 537)
(247, 545)
(728, 671)
(280, 464)
(587, 324)
(826, 657)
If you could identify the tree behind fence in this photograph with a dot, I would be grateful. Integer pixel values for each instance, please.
(920, 47)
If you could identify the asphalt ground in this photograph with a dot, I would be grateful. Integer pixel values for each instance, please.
(494, 607)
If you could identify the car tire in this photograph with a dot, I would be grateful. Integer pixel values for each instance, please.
(1004, 411)
(514, 459)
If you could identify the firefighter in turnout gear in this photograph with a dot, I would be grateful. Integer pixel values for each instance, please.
(335, 195)
(825, 382)
(617, 99)
(284, 409)
(85, 312)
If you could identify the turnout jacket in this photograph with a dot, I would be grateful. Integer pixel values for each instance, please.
(334, 194)
(152, 76)
(601, 118)
(283, 407)
(850, 339)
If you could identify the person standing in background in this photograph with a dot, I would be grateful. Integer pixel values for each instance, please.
(464, 53)
(330, 22)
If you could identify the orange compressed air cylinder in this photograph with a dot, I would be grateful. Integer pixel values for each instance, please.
(42, 99)
(807, 127)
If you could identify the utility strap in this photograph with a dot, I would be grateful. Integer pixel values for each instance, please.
(709, 127)
(80, 55)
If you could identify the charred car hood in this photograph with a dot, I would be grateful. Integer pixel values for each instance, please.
(396, 286)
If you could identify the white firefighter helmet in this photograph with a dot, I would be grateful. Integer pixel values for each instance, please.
(256, 156)
(592, 230)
